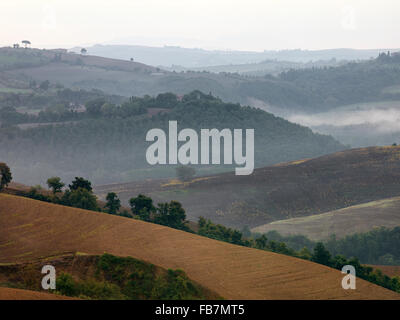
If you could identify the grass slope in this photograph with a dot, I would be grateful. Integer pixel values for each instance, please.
(30, 229)
(342, 222)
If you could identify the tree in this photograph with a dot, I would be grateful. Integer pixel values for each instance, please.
(185, 173)
(166, 100)
(80, 182)
(246, 232)
(142, 206)
(44, 85)
(171, 214)
(93, 107)
(113, 203)
(305, 253)
(5, 175)
(236, 237)
(321, 255)
(261, 242)
(55, 184)
(26, 43)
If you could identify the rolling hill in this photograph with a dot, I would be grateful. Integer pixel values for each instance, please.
(308, 90)
(342, 222)
(289, 190)
(107, 148)
(31, 229)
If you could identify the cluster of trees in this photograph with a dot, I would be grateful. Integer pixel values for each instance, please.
(378, 246)
(169, 214)
(79, 193)
(101, 108)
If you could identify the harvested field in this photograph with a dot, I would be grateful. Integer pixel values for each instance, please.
(288, 190)
(19, 294)
(30, 229)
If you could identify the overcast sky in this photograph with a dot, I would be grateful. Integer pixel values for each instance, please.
(212, 24)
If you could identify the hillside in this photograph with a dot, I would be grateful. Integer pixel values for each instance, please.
(104, 277)
(31, 229)
(26, 58)
(109, 145)
(342, 222)
(19, 294)
(289, 190)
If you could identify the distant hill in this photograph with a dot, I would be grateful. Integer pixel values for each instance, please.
(301, 188)
(31, 229)
(302, 94)
(303, 90)
(169, 56)
(354, 219)
(263, 68)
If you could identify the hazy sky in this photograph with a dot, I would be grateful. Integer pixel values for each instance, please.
(213, 24)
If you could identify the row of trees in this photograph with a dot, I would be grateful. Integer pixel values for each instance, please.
(80, 194)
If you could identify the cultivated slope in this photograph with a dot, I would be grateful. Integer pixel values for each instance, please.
(19, 294)
(30, 229)
(290, 190)
(354, 219)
